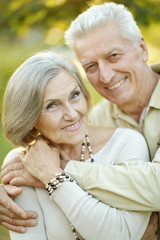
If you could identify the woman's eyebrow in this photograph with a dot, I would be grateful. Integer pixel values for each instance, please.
(75, 88)
(51, 100)
(56, 99)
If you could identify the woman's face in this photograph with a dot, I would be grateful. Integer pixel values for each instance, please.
(63, 118)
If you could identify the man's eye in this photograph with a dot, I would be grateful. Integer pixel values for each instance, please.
(114, 55)
(91, 68)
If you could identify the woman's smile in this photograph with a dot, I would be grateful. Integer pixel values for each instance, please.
(73, 127)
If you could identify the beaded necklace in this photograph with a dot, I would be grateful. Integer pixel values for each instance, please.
(85, 142)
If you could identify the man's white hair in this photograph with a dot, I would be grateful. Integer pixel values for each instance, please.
(100, 15)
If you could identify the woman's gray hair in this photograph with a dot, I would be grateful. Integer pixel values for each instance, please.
(22, 102)
(100, 15)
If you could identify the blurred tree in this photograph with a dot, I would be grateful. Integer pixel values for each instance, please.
(144, 11)
(52, 17)
(44, 21)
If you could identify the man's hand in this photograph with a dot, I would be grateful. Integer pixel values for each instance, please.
(11, 215)
(40, 156)
(150, 233)
(13, 173)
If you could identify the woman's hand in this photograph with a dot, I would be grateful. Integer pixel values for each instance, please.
(13, 173)
(41, 161)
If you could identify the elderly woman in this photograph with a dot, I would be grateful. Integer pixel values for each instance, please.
(46, 101)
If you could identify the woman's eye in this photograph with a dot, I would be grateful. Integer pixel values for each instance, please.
(75, 95)
(51, 106)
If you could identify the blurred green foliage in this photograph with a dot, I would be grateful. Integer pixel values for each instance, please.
(28, 26)
(18, 16)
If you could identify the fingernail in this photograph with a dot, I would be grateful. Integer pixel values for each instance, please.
(22, 230)
(23, 215)
(34, 222)
(35, 215)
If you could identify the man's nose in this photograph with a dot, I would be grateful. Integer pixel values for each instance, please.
(106, 72)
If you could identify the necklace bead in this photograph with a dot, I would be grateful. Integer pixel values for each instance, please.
(85, 142)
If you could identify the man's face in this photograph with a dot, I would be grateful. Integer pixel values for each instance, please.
(113, 65)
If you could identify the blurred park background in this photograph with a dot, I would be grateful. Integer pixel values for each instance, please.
(29, 26)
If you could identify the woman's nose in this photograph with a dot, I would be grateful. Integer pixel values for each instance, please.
(69, 112)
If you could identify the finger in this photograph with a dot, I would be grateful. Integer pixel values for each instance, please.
(9, 190)
(19, 222)
(31, 215)
(6, 212)
(11, 161)
(18, 229)
(11, 175)
(18, 181)
(17, 225)
(11, 167)
(14, 208)
(8, 203)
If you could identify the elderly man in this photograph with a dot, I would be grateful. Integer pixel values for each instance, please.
(114, 55)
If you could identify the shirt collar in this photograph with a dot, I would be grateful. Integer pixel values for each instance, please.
(155, 98)
(119, 114)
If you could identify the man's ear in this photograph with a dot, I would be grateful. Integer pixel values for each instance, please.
(143, 49)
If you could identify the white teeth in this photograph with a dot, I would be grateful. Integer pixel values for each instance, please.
(117, 84)
(72, 126)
